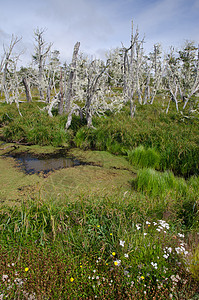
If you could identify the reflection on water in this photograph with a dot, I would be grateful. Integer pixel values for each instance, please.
(32, 165)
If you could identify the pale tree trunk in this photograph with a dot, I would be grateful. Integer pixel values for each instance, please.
(26, 84)
(129, 73)
(71, 78)
(48, 92)
(61, 95)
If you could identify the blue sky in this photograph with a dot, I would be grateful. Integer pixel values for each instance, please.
(99, 25)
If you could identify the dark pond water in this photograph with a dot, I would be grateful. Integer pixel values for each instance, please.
(31, 165)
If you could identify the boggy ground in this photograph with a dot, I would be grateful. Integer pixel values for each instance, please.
(103, 174)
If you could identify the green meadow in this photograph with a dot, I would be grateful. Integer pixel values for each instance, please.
(123, 225)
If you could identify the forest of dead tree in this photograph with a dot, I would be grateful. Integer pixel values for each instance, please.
(89, 87)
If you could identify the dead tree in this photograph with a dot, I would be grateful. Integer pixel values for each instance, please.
(7, 60)
(71, 78)
(41, 51)
(132, 71)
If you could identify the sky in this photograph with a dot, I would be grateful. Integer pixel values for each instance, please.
(99, 25)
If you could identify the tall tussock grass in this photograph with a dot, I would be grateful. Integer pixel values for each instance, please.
(144, 158)
(156, 183)
(177, 193)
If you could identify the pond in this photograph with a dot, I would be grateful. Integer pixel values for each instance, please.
(34, 165)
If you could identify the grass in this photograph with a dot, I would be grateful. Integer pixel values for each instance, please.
(92, 249)
(141, 157)
(170, 137)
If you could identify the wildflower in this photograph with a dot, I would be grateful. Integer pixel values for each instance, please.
(138, 226)
(164, 224)
(145, 233)
(117, 262)
(113, 253)
(175, 279)
(126, 255)
(26, 269)
(122, 243)
(181, 235)
(71, 279)
(155, 265)
(148, 223)
(4, 277)
(94, 271)
(142, 277)
(98, 226)
(111, 234)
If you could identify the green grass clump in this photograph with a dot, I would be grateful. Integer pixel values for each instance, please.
(144, 158)
(154, 183)
(194, 265)
(166, 190)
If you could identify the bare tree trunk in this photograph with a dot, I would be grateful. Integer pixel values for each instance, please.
(48, 91)
(27, 89)
(71, 78)
(61, 95)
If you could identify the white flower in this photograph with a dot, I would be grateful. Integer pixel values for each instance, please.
(4, 277)
(122, 243)
(148, 223)
(126, 255)
(155, 265)
(166, 256)
(145, 233)
(117, 262)
(164, 224)
(181, 235)
(138, 226)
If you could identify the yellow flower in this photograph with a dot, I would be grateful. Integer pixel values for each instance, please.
(142, 277)
(115, 263)
(111, 234)
(98, 226)
(80, 266)
(113, 253)
(71, 279)
(26, 269)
